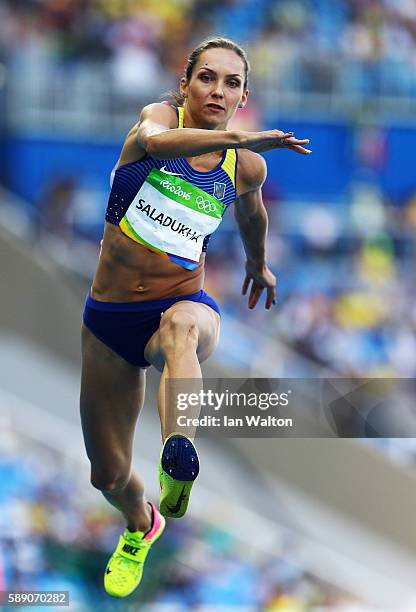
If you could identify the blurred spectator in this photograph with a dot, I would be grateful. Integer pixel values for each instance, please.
(56, 207)
(373, 41)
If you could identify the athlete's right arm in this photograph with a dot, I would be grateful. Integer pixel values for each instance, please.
(165, 141)
(156, 133)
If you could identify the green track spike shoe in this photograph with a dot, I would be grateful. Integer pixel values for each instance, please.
(125, 567)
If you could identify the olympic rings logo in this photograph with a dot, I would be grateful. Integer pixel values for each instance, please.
(205, 205)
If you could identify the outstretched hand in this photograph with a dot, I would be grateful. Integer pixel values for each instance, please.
(259, 278)
(276, 139)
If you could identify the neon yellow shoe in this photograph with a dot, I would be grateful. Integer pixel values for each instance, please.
(125, 567)
(178, 468)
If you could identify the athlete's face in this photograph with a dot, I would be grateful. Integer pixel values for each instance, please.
(215, 90)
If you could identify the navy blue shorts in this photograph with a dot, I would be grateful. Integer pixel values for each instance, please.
(126, 327)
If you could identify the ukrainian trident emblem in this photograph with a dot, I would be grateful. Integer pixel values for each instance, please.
(219, 190)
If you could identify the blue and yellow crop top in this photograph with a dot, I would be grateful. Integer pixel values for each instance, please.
(168, 206)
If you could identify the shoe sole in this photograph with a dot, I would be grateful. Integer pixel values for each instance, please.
(180, 466)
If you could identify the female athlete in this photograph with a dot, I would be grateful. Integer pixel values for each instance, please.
(179, 170)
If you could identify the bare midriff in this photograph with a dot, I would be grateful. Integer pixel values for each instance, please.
(130, 272)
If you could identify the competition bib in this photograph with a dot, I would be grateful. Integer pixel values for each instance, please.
(172, 216)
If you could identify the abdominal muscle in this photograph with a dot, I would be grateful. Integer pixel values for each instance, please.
(130, 272)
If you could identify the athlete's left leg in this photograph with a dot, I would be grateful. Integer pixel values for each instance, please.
(187, 335)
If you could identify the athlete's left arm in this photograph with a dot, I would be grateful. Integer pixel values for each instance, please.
(252, 221)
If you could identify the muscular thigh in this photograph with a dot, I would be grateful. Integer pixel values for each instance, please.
(112, 393)
(208, 324)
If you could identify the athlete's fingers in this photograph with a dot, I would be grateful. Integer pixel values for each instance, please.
(291, 136)
(251, 294)
(246, 284)
(299, 149)
(255, 294)
(282, 141)
(295, 144)
(271, 297)
(296, 141)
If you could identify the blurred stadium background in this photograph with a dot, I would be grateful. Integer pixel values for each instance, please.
(315, 524)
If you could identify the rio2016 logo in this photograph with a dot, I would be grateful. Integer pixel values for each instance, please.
(176, 189)
(205, 205)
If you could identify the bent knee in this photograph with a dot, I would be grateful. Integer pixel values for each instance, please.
(178, 321)
(110, 480)
(178, 329)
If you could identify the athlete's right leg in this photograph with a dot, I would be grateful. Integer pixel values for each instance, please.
(187, 335)
(112, 394)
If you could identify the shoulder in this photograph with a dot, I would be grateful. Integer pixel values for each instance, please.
(160, 111)
(251, 171)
